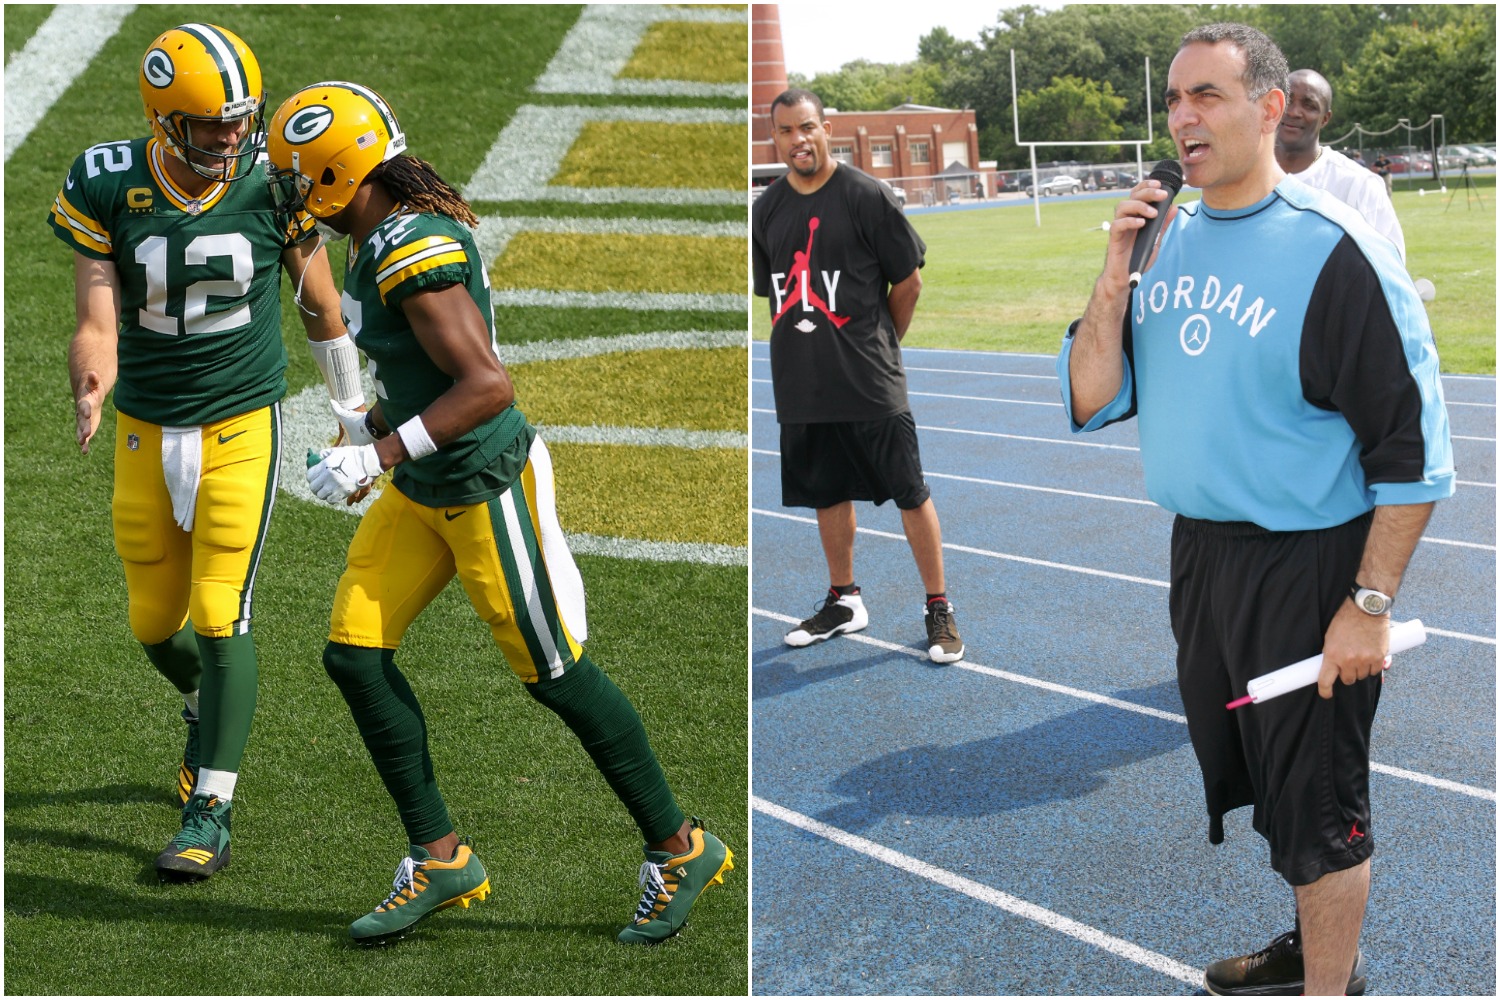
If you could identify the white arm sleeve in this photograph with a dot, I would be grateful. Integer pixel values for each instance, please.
(338, 360)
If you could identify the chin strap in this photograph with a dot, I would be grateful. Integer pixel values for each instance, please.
(297, 296)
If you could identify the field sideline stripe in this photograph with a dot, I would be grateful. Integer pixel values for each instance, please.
(657, 437)
(984, 894)
(588, 347)
(62, 48)
(1129, 706)
(1086, 570)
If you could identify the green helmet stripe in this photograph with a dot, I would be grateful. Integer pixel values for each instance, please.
(236, 83)
(385, 111)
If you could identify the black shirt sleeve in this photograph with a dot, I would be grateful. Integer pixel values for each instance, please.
(1353, 360)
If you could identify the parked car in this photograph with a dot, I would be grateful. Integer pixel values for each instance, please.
(1059, 185)
(1472, 155)
(1412, 163)
(899, 192)
(1007, 180)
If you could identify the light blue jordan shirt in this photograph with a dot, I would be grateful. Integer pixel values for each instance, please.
(1282, 367)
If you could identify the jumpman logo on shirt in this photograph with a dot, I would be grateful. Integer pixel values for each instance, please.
(799, 287)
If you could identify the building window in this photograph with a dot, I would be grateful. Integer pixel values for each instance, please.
(880, 154)
(919, 152)
(843, 152)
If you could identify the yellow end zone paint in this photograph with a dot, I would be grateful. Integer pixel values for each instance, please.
(660, 494)
(621, 263)
(701, 156)
(701, 390)
(678, 50)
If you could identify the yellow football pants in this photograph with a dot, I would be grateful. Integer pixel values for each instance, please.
(509, 553)
(207, 574)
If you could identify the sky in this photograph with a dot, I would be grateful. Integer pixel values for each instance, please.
(821, 37)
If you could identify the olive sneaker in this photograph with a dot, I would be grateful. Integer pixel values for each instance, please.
(201, 847)
(670, 886)
(1274, 971)
(943, 643)
(187, 771)
(423, 885)
(838, 613)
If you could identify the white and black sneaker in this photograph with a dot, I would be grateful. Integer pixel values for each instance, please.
(943, 643)
(838, 613)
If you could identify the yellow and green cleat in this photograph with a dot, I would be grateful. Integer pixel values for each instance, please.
(201, 847)
(423, 886)
(671, 885)
(187, 771)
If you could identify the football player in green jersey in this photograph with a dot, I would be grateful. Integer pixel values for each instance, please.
(178, 255)
(471, 493)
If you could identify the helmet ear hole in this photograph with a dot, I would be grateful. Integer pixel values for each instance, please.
(328, 176)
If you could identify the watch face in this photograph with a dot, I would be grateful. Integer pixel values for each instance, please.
(1374, 604)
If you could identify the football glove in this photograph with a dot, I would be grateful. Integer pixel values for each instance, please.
(342, 472)
(352, 424)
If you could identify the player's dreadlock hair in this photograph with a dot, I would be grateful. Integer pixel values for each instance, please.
(418, 185)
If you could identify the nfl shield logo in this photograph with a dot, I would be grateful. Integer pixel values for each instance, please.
(194, 207)
(132, 442)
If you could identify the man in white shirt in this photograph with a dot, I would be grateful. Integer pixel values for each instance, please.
(1308, 108)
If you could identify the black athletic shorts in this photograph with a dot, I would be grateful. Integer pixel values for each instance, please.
(1246, 601)
(877, 460)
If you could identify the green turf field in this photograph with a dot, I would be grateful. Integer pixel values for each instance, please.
(994, 281)
(92, 736)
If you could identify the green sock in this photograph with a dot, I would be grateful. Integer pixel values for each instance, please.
(177, 660)
(389, 719)
(607, 725)
(226, 699)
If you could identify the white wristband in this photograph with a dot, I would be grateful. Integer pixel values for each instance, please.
(419, 443)
(338, 360)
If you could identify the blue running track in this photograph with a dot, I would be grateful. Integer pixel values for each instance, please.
(1031, 820)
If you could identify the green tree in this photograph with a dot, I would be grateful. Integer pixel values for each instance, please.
(1071, 108)
(862, 85)
(1411, 71)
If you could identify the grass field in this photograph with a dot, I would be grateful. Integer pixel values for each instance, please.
(92, 736)
(994, 281)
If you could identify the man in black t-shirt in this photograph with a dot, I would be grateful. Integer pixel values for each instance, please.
(840, 264)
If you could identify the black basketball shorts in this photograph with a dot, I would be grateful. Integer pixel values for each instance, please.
(877, 460)
(1246, 601)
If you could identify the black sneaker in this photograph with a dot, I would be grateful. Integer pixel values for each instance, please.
(1274, 971)
(836, 614)
(943, 643)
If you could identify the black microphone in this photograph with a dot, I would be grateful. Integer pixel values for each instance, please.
(1169, 173)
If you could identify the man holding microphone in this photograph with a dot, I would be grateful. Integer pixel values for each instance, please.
(1290, 413)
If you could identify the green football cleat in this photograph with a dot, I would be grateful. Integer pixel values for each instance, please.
(423, 885)
(672, 885)
(201, 847)
(187, 771)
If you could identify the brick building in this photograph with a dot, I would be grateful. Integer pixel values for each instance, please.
(930, 152)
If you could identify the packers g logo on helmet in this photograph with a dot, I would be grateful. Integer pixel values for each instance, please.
(201, 73)
(307, 124)
(158, 69)
(324, 141)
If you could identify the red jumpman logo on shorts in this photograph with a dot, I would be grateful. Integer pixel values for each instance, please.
(800, 285)
(1354, 833)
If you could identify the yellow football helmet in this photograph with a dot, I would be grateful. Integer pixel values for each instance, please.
(324, 141)
(203, 73)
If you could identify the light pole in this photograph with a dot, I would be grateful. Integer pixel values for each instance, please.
(1436, 157)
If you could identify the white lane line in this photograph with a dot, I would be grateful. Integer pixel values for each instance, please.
(984, 894)
(981, 552)
(968, 399)
(1085, 570)
(1009, 437)
(1104, 496)
(1465, 437)
(43, 70)
(961, 371)
(1129, 706)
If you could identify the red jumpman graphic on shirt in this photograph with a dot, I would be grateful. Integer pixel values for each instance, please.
(800, 284)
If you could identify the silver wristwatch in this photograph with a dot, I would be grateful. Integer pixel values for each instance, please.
(1371, 602)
